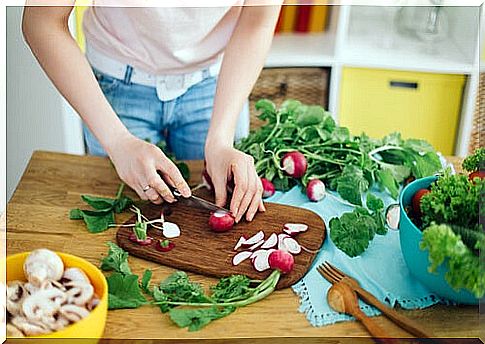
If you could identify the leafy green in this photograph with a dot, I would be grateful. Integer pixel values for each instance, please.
(351, 184)
(231, 288)
(196, 319)
(352, 232)
(476, 161)
(388, 182)
(117, 260)
(465, 270)
(124, 291)
(145, 281)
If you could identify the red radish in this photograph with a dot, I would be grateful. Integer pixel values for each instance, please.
(254, 239)
(207, 180)
(268, 188)
(240, 257)
(261, 262)
(221, 221)
(476, 174)
(148, 241)
(417, 200)
(294, 228)
(292, 245)
(294, 164)
(271, 241)
(315, 190)
(256, 245)
(170, 230)
(164, 245)
(240, 242)
(281, 260)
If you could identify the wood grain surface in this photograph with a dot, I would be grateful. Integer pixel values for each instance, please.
(37, 216)
(200, 250)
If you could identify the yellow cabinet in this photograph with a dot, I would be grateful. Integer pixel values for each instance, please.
(418, 105)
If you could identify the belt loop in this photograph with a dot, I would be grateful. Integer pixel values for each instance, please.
(128, 73)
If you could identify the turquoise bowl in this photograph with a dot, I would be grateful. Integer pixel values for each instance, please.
(416, 259)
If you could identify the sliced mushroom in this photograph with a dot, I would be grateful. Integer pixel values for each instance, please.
(57, 322)
(74, 313)
(43, 303)
(13, 331)
(15, 295)
(28, 327)
(79, 293)
(93, 302)
(75, 274)
(43, 264)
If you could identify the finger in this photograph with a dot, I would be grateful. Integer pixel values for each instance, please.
(255, 202)
(262, 207)
(220, 190)
(156, 182)
(174, 177)
(249, 195)
(240, 187)
(153, 196)
(140, 192)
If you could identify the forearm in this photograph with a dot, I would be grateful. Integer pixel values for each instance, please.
(243, 60)
(46, 32)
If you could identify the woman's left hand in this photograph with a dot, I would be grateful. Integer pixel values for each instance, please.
(226, 163)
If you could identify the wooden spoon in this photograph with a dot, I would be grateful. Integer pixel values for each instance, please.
(342, 298)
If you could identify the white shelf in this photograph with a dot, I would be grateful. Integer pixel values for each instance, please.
(302, 50)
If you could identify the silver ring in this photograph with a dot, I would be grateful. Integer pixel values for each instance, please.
(146, 188)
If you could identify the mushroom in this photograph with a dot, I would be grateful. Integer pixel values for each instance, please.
(29, 327)
(13, 331)
(43, 303)
(74, 274)
(74, 313)
(43, 264)
(79, 293)
(56, 322)
(3, 302)
(93, 302)
(15, 295)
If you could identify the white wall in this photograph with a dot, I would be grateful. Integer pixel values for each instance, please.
(35, 110)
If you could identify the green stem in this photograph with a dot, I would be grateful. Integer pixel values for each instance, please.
(274, 129)
(382, 149)
(120, 190)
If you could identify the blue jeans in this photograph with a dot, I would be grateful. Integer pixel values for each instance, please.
(182, 122)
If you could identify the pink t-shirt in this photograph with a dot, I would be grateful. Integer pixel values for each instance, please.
(166, 40)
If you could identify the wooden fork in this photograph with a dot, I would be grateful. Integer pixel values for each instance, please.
(334, 275)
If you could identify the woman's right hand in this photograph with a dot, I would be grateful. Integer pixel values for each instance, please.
(137, 163)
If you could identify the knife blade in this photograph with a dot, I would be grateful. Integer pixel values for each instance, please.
(194, 201)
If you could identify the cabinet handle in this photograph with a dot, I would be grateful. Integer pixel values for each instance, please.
(404, 84)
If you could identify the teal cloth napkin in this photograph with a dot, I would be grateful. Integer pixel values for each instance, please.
(381, 269)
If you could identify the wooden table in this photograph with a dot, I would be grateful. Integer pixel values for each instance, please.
(37, 216)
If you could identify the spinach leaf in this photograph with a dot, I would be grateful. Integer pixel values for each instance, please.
(124, 292)
(195, 319)
(97, 221)
(99, 203)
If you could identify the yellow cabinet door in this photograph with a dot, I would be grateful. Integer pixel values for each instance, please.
(418, 105)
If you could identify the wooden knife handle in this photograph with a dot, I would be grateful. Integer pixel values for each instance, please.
(404, 322)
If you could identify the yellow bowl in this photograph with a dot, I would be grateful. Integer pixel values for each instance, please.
(93, 325)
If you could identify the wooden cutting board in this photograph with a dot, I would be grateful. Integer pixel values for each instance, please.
(202, 251)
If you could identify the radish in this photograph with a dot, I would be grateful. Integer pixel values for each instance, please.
(271, 241)
(254, 239)
(148, 241)
(170, 230)
(294, 164)
(315, 190)
(294, 228)
(281, 244)
(256, 245)
(221, 221)
(255, 254)
(164, 245)
(241, 242)
(261, 262)
(416, 200)
(392, 216)
(240, 257)
(281, 260)
(292, 245)
(268, 188)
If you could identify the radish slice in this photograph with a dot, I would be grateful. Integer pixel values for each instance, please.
(261, 262)
(294, 228)
(292, 245)
(170, 230)
(255, 246)
(271, 242)
(256, 254)
(254, 239)
(240, 257)
(281, 244)
(241, 242)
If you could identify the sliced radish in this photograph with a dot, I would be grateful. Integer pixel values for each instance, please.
(281, 244)
(294, 228)
(271, 242)
(170, 230)
(148, 241)
(256, 245)
(292, 245)
(240, 257)
(261, 262)
(241, 242)
(254, 239)
(256, 254)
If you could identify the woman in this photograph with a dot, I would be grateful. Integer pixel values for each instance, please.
(179, 74)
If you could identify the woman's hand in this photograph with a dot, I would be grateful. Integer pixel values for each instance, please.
(227, 163)
(137, 163)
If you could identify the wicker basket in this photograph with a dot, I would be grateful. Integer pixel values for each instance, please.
(476, 139)
(308, 85)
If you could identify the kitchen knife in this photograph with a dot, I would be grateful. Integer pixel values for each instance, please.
(194, 201)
